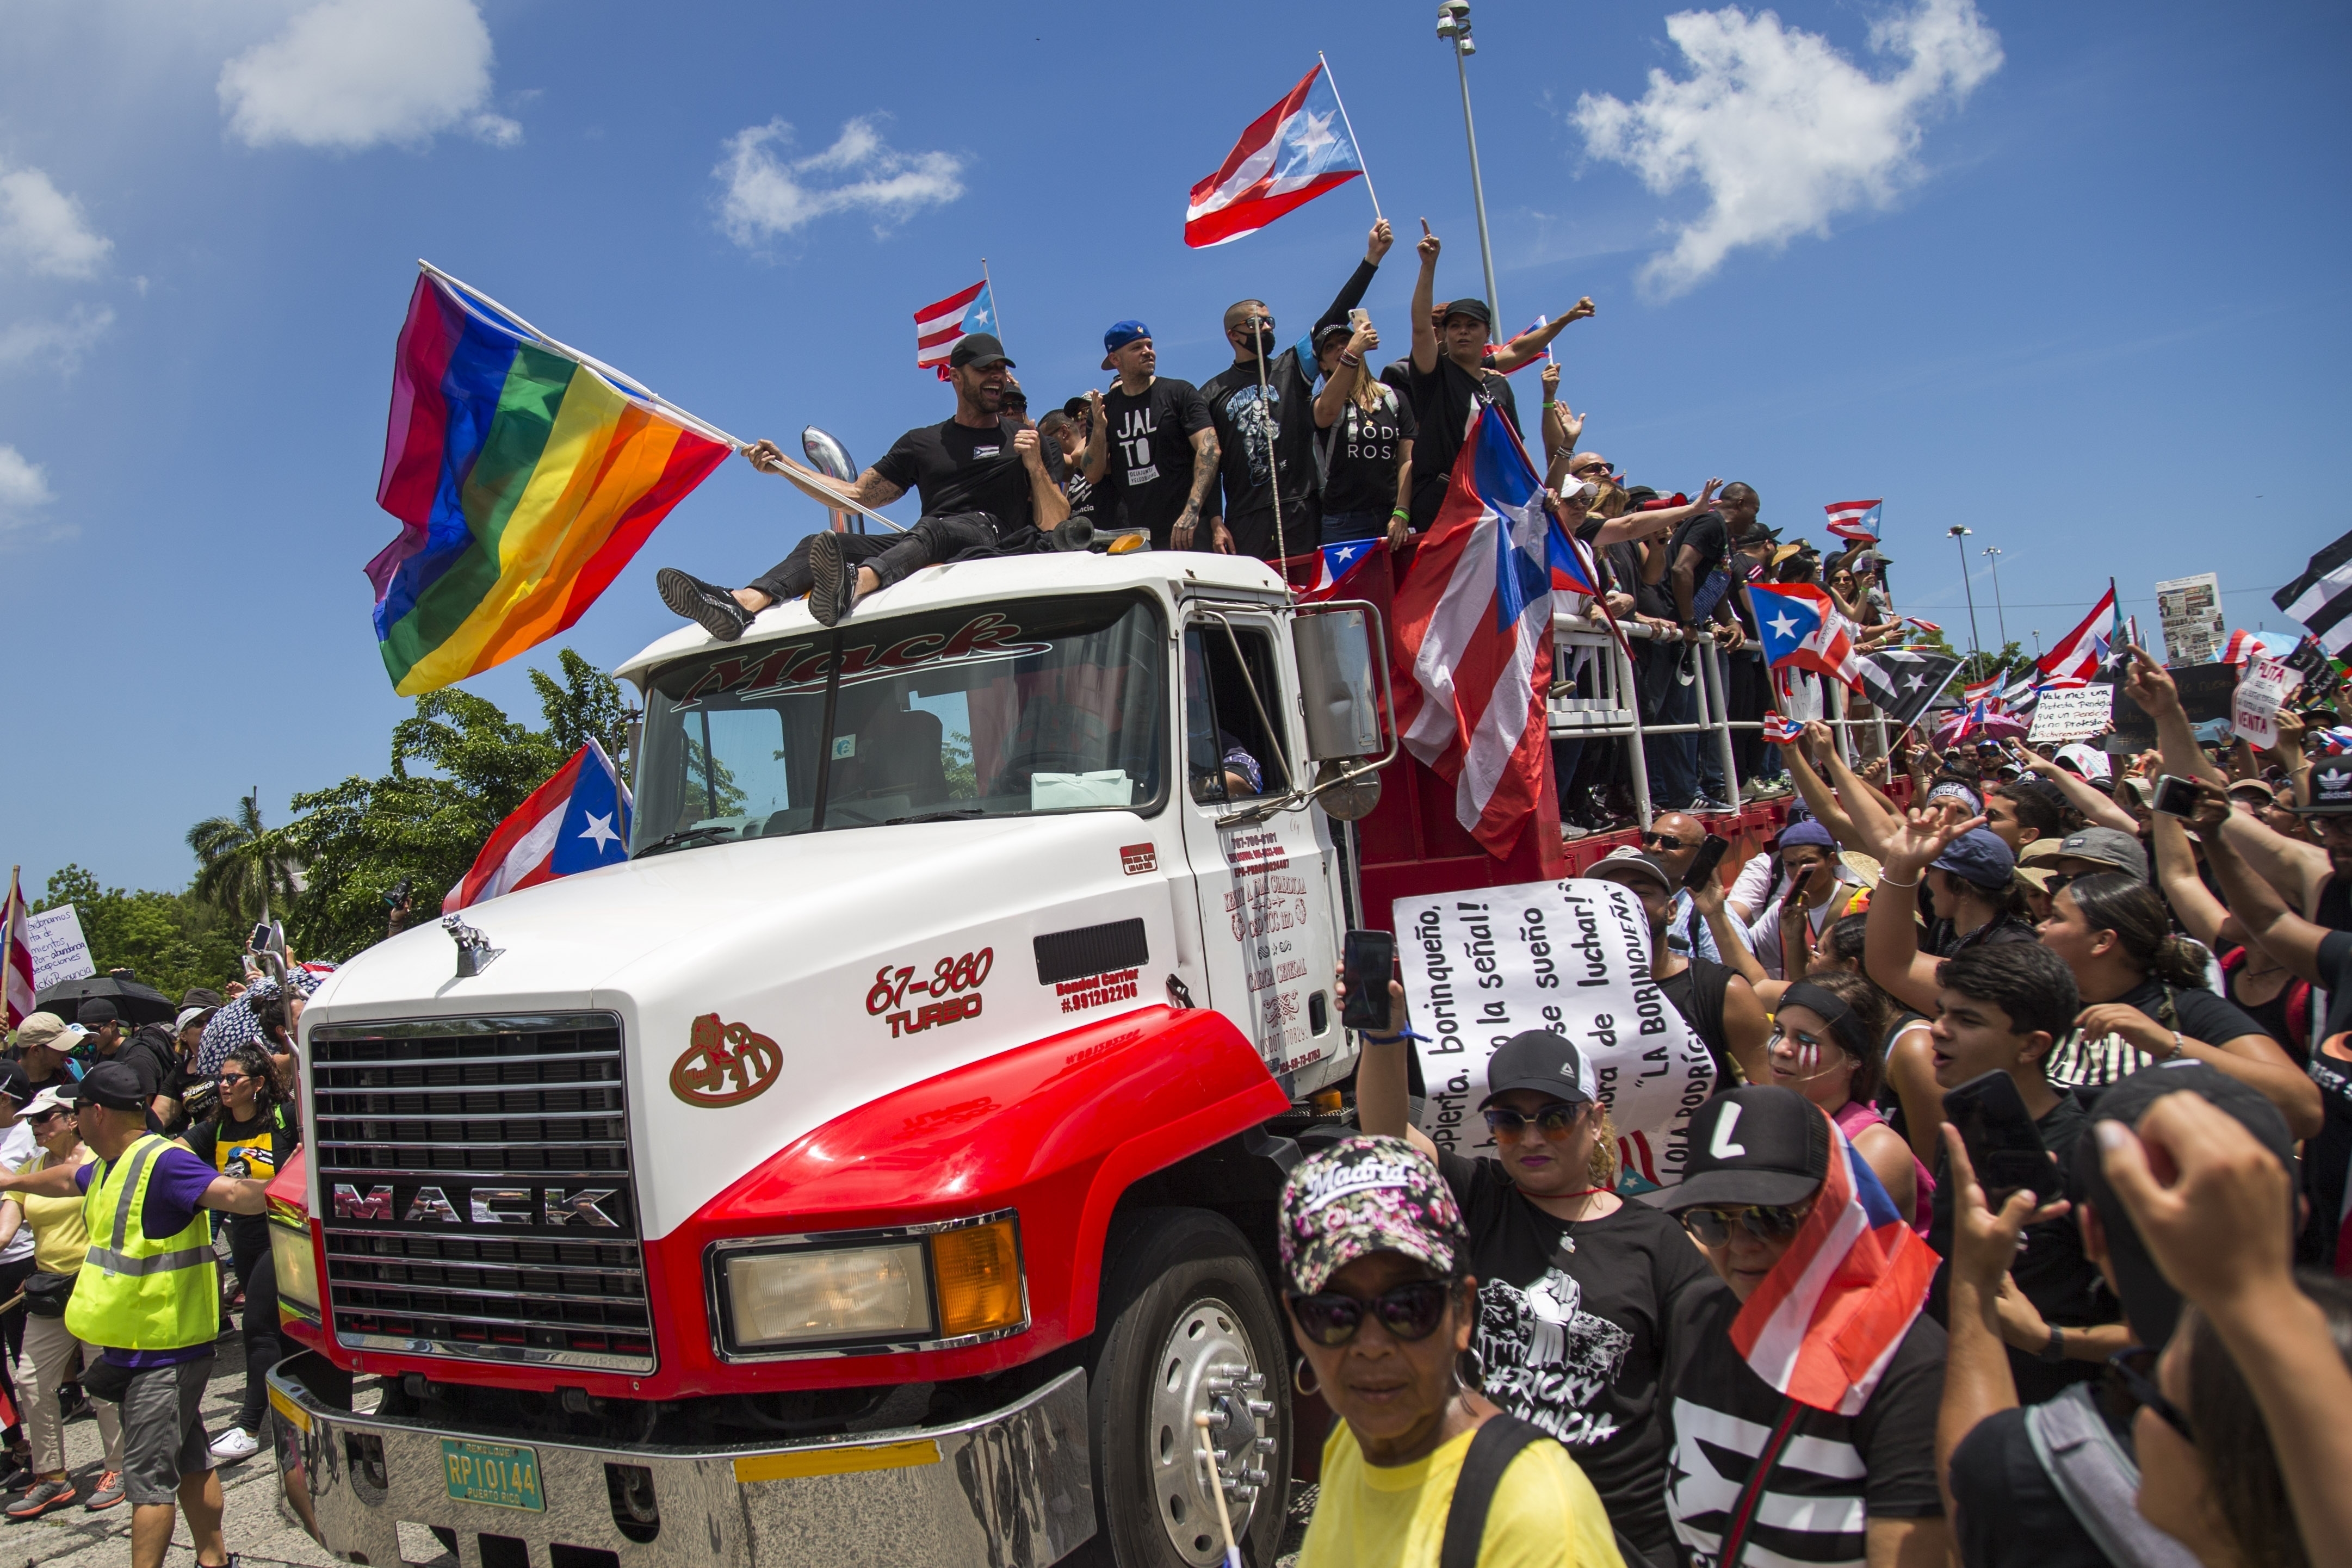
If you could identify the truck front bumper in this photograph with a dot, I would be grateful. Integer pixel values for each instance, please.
(1010, 1489)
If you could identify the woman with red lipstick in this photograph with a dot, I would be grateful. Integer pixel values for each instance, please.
(1576, 1285)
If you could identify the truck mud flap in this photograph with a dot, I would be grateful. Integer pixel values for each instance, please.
(1010, 1489)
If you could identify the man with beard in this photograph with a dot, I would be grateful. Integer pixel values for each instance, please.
(1263, 442)
(989, 485)
(1166, 456)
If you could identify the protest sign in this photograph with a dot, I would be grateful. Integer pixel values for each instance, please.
(2260, 690)
(2206, 693)
(60, 951)
(2190, 607)
(1573, 956)
(2062, 715)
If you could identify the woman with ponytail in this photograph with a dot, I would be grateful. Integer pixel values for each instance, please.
(2144, 986)
(1576, 1285)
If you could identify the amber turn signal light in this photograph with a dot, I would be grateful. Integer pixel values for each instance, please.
(978, 1273)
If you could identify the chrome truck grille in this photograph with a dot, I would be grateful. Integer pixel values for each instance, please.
(475, 1193)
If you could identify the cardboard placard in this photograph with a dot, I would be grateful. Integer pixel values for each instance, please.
(2206, 691)
(2266, 683)
(1573, 956)
(61, 953)
(2062, 715)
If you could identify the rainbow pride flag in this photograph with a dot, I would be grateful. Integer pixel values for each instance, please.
(524, 480)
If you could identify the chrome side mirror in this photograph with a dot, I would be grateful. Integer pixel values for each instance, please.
(1336, 683)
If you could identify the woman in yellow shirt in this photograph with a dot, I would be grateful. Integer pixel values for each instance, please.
(1372, 1243)
(60, 1240)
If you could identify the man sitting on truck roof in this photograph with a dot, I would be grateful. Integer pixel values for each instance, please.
(988, 484)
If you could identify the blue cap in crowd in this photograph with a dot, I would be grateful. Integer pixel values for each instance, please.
(1980, 858)
(1121, 335)
(1809, 832)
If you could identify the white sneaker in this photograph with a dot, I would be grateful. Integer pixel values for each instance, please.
(236, 1444)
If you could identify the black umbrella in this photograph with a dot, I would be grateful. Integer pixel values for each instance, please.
(137, 1003)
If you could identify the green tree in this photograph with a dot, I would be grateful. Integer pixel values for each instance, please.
(240, 869)
(168, 940)
(459, 765)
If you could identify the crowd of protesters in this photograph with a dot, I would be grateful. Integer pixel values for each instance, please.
(206, 1107)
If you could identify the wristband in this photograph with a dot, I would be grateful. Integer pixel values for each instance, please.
(1402, 1034)
(1400, 514)
(1886, 881)
(1351, 361)
(1552, 403)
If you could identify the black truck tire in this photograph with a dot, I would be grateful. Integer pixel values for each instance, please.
(1185, 1303)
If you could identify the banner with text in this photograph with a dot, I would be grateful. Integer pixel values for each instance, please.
(61, 953)
(2062, 715)
(2265, 685)
(1483, 965)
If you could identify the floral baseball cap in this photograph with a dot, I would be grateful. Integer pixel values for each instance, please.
(1362, 1196)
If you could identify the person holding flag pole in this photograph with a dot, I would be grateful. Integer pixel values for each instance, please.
(16, 979)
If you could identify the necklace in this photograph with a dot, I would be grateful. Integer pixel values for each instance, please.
(1567, 1239)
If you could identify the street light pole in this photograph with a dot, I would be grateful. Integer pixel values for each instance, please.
(1992, 554)
(1960, 537)
(1453, 26)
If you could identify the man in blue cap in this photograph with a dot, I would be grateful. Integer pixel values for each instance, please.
(1137, 454)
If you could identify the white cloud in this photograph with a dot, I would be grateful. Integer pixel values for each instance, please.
(767, 195)
(58, 343)
(24, 489)
(1783, 132)
(42, 227)
(350, 74)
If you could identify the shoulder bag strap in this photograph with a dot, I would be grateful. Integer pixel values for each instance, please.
(1743, 1511)
(1492, 1449)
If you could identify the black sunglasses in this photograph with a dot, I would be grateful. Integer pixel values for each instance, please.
(51, 1114)
(2130, 1383)
(1410, 1311)
(1765, 1222)
(1660, 841)
(1554, 1122)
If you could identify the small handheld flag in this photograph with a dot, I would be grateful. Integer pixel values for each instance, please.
(1855, 521)
(1333, 566)
(1779, 731)
(941, 326)
(1291, 154)
(577, 821)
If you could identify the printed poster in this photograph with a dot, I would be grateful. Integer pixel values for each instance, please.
(60, 951)
(2260, 690)
(2077, 715)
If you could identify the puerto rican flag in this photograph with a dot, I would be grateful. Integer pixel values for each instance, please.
(1334, 564)
(1928, 626)
(2337, 742)
(1829, 1317)
(1801, 627)
(1474, 635)
(940, 328)
(577, 821)
(1779, 731)
(16, 991)
(2087, 648)
(1290, 155)
(1854, 520)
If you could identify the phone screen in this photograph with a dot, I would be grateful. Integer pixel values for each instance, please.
(2175, 796)
(1369, 958)
(1709, 856)
(2003, 1142)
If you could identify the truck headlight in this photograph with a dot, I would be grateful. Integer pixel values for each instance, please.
(907, 1289)
(296, 1266)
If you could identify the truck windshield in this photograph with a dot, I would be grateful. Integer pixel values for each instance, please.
(1048, 705)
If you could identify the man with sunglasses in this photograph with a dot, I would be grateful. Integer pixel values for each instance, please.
(2050, 1485)
(1808, 1485)
(1675, 839)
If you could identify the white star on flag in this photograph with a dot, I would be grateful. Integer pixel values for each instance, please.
(600, 831)
(1314, 133)
(1784, 626)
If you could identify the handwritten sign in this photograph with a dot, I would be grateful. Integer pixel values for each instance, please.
(2077, 715)
(1573, 956)
(2260, 690)
(61, 952)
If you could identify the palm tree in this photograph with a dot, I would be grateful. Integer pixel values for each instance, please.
(241, 866)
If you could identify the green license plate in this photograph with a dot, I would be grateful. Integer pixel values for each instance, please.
(493, 1473)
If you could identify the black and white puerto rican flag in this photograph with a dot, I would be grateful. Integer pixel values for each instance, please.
(1914, 677)
(2321, 596)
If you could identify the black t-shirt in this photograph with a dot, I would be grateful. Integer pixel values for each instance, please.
(1710, 536)
(957, 468)
(2051, 1271)
(2006, 1511)
(1572, 1330)
(1835, 1473)
(2090, 1066)
(1150, 474)
(1442, 401)
(1944, 939)
(1359, 454)
(256, 1148)
(2327, 1158)
(1085, 500)
(2335, 963)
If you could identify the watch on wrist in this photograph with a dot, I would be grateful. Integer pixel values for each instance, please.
(2055, 1351)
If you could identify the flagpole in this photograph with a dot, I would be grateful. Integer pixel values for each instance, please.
(8, 944)
(988, 284)
(1358, 146)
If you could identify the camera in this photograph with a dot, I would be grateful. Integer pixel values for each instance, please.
(400, 891)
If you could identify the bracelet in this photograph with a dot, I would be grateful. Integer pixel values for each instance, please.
(1350, 360)
(1886, 881)
(1401, 1035)
(2179, 1049)
(1400, 514)
(1552, 403)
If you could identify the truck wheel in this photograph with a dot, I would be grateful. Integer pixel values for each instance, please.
(1190, 1327)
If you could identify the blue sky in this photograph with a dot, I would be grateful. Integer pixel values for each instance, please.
(2071, 276)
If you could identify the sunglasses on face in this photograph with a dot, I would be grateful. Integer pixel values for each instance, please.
(1411, 1312)
(2130, 1383)
(1554, 1122)
(38, 1117)
(1665, 841)
(237, 1078)
(1765, 1222)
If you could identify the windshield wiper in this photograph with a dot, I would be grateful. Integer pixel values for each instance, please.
(682, 837)
(959, 814)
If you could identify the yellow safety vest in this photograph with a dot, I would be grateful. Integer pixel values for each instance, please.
(137, 1291)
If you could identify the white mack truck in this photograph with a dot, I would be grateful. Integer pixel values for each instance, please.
(880, 1165)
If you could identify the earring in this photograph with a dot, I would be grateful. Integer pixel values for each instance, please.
(1475, 1377)
(1298, 1380)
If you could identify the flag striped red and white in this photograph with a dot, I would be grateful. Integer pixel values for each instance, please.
(2241, 647)
(16, 962)
(1832, 1314)
(939, 327)
(1928, 626)
(577, 821)
(1779, 731)
(2075, 658)
(1474, 629)
(1291, 154)
(1856, 520)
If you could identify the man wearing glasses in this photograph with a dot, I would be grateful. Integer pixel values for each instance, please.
(1674, 838)
(1833, 1487)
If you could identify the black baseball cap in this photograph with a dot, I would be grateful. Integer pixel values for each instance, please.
(96, 1012)
(1539, 1059)
(1759, 1143)
(114, 1085)
(2331, 791)
(14, 1084)
(977, 349)
(1473, 307)
(2149, 1301)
